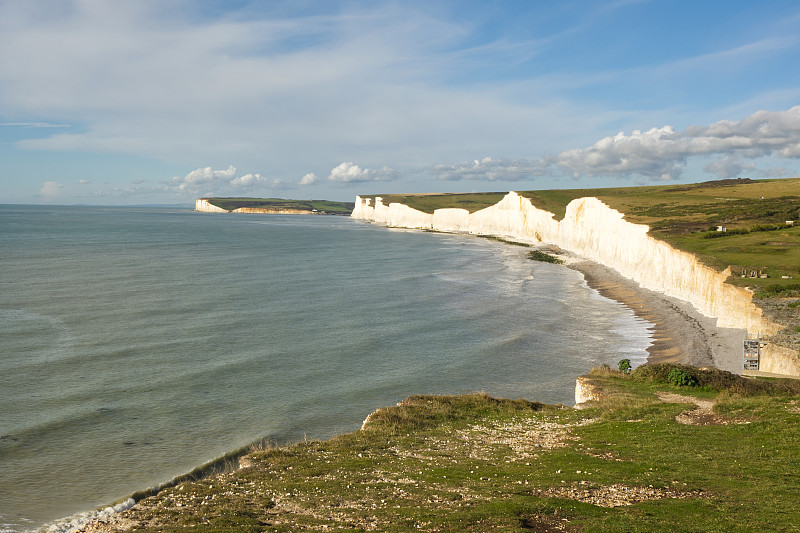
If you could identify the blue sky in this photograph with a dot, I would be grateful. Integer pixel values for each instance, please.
(160, 101)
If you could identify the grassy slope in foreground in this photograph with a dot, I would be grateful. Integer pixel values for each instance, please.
(338, 208)
(683, 215)
(474, 463)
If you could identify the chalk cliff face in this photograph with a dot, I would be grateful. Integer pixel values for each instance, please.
(595, 231)
(586, 391)
(202, 205)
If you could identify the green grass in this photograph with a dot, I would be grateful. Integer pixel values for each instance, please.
(476, 463)
(340, 208)
(775, 253)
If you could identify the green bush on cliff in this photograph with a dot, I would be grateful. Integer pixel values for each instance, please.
(681, 378)
(714, 379)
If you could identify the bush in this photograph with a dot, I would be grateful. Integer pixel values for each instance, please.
(779, 290)
(716, 379)
(625, 366)
(681, 378)
(729, 233)
(768, 227)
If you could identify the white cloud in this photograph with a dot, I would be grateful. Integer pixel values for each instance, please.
(84, 182)
(265, 90)
(656, 154)
(202, 177)
(51, 191)
(215, 182)
(350, 173)
(730, 166)
(391, 85)
(488, 169)
(662, 153)
(309, 179)
(653, 153)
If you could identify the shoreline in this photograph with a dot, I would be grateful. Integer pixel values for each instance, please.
(681, 333)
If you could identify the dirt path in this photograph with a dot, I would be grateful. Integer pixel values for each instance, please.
(701, 415)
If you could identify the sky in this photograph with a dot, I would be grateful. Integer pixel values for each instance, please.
(164, 101)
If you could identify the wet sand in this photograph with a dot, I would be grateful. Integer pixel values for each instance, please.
(682, 334)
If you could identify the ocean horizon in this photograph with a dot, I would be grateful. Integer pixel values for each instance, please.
(140, 342)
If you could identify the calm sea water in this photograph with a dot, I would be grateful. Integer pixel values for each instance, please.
(138, 343)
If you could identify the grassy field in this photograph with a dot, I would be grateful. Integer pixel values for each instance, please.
(645, 458)
(754, 211)
(339, 208)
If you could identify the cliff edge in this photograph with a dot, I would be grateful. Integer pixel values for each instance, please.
(593, 230)
(204, 206)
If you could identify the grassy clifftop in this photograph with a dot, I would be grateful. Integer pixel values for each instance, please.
(717, 453)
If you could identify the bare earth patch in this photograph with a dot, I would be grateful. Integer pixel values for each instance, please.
(524, 436)
(701, 415)
(616, 495)
(794, 407)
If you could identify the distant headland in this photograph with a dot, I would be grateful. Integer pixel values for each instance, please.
(278, 206)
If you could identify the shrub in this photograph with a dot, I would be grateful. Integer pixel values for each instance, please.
(625, 366)
(423, 412)
(767, 227)
(729, 233)
(716, 379)
(779, 290)
(681, 378)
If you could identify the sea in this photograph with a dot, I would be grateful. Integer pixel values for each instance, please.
(137, 343)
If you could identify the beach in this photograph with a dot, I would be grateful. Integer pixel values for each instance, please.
(681, 333)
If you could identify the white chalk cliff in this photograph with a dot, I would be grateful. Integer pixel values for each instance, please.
(594, 231)
(204, 206)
